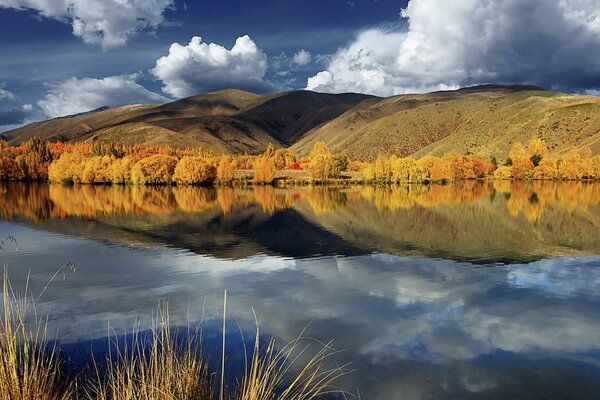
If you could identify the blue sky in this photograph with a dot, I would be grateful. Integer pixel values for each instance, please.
(59, 57)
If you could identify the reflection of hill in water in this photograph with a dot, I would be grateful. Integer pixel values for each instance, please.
(478, 221)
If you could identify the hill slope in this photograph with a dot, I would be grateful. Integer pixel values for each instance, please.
(484, 120)
(231, 121)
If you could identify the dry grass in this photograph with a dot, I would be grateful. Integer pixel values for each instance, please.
(30, 368)
(164, 365)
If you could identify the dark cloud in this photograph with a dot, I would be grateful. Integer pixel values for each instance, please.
(14, 116)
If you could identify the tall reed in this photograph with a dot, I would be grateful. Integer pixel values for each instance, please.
(30, 368)
(165, 364)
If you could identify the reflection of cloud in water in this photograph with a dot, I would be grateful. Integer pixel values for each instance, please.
(565, 277)
(411, 324)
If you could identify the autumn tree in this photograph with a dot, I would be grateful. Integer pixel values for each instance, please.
(324, 165)
(226, 169)
(402, 168)
(264, 170)
(194, 171)
(503, 172)
(68, 168)
(537, 151)
(283, 158)
(154, 170)
(98, 170)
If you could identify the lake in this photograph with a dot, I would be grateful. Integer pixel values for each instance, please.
(474, 290)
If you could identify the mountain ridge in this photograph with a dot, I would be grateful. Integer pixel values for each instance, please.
(484, 120)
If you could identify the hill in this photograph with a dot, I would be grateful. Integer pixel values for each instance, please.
(483, 120)
(231, 121)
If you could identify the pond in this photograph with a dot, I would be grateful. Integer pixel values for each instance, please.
(474, 290)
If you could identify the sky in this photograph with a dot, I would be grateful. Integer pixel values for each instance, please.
(61, 57)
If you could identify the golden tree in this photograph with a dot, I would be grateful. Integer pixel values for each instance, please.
(537, 150)
(264, 170)
(194, 171)
(503, 172)
(154, 170)
(226, 169)
(322, 164)
(401, 169)
(68, 168)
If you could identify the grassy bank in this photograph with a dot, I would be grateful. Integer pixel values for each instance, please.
(163, 365)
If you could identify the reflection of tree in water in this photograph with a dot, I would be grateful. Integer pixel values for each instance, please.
(323, 199)
(39, 202)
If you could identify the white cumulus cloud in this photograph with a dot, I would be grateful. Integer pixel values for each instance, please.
(551, 43)
(108, 23)
(302, 57)
(76, 95)
(200, 67)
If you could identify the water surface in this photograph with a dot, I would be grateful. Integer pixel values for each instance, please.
(478, 290)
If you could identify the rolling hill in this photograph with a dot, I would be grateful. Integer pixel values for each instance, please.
(230, 121)
(483, 120)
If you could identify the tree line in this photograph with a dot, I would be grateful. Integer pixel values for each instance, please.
(109, 163)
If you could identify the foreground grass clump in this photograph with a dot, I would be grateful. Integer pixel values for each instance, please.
(163, 365)
(30, 368)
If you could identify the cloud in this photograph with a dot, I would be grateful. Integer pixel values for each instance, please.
(465, 42)
(6, 95)
(108, 23)
(200, 67)
(11, 113)
(302, 57)
(76, 95)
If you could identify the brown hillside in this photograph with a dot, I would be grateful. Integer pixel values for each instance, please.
(231, 121)
(483, 120)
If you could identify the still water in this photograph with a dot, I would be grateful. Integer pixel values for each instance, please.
(479, 290)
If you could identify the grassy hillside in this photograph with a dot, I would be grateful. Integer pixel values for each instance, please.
(485, 121)
(231, 121)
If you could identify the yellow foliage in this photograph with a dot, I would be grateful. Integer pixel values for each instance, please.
(121, 170)
(194, 171)
(264, 170)
(226, 169)
(571, 166)
(283, 158)
(547, 169)
(154, 170)
(503, 172)
(98, 170)
(401, 169)
(67, 169)
(537, 147)
(517, 152)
